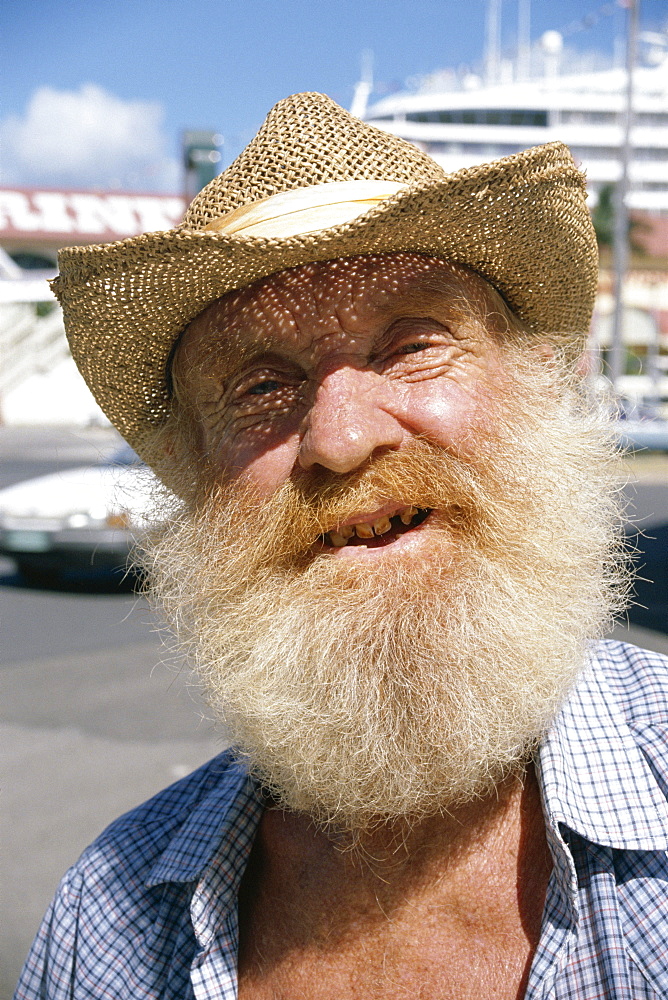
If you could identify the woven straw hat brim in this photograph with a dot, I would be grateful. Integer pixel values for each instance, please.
(521, 223)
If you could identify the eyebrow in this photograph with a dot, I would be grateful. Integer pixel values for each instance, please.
(215, 355)
(227, 357)
(386, 336)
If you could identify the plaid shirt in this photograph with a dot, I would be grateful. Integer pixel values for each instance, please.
(150, 909)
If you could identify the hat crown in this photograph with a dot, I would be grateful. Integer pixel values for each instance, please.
(520, 222)
(307, 139)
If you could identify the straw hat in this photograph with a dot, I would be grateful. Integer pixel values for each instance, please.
(520, 222)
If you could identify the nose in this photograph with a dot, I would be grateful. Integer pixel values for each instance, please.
(348, 421)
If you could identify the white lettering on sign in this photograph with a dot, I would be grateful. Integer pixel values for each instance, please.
(52, 208)
(16, 213)
(86, 215)
(156, 214)
(95, 213)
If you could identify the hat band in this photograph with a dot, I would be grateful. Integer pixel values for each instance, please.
(305, 210)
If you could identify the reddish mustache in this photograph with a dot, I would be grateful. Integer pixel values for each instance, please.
(421, 475)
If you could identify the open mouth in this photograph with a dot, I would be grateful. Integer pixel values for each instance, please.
(377, 532)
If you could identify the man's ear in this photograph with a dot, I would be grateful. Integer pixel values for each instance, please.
(175, 454)
(166, 443)
(169, 443)
(585, 366)
(582, 366)
(543, 351)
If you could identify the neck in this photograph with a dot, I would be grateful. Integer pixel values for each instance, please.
(499, 843)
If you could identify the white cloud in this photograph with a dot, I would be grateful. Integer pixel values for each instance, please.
(88, 138)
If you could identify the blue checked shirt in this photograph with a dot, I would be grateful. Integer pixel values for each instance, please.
(150, 909)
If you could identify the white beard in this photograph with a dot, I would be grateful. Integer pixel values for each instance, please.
(366, 690)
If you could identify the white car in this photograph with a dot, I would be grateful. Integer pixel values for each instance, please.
(79, 523)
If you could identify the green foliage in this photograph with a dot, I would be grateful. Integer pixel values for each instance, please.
(44, 308)
(603, 216)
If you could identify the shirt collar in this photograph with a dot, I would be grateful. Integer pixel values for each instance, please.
(228, 812)
(594, 777)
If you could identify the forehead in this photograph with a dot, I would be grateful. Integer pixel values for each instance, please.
(351, 295)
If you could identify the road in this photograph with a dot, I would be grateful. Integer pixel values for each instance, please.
(94, 718)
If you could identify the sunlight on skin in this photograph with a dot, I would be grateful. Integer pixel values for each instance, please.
(408, 671)
(329, 363)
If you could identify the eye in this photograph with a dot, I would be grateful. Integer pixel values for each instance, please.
(263, 388)
(414, 347)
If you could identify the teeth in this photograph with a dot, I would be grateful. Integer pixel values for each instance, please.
(407, 514)
(382, 525)
(364, 530)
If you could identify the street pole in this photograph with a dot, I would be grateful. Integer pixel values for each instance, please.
(617, 355)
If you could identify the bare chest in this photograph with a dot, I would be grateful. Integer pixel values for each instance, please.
(427, 962)
(425, 924)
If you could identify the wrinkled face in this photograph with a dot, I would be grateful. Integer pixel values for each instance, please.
(330, 365)
(401, 541)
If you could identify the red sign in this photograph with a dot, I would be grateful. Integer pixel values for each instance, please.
(84, 216)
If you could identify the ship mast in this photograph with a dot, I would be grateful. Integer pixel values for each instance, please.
(493, 42)
(364, 86)
(523, 39)
(621, 222)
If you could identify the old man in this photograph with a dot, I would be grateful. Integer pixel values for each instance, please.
(391, 550)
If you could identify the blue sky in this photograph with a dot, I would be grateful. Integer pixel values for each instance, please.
(96, 92)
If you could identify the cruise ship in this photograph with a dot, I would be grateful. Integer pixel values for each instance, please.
(462, 119)
(548, 92)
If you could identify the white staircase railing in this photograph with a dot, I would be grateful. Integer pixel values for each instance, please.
(29, 344)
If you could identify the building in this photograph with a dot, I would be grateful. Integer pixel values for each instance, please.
(462, 119)
(38, 380)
